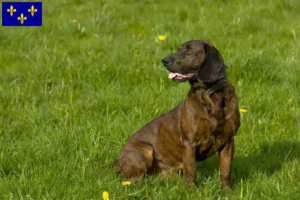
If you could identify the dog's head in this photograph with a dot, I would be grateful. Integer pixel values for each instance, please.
(195, 59)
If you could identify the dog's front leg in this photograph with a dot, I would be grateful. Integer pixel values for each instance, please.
(189, 163)
(225, 159)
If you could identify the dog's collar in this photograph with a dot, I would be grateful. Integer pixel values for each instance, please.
(214, 86)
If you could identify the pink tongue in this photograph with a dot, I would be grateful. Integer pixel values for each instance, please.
(172, 75)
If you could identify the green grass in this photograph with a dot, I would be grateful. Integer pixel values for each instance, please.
(72, 93)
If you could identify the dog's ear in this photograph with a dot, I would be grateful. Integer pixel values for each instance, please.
(213, 67)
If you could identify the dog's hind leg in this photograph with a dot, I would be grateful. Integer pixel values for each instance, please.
(135, 162)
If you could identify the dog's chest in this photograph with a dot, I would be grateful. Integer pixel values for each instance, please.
(209, 137)
(206, 124)
(203, 113)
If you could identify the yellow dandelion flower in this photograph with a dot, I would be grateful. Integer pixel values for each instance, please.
(242, 110)
(161, 37)
(74, 20)
(126, 183)
(105, 195)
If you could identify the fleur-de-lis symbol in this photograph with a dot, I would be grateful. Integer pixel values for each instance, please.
(22, 18)
(11, 10)
(32, 10)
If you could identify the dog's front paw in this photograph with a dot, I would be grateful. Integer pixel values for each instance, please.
(226, 185)
(191, 184)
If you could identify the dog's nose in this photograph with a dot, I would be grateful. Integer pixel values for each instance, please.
(166, 60)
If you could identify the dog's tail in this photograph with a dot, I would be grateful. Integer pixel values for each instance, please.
(116, 166)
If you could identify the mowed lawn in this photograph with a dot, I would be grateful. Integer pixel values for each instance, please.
(74, 90)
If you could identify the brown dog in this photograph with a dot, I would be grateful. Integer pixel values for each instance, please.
(205, 123)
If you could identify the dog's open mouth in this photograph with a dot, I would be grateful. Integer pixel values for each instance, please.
(178, 76)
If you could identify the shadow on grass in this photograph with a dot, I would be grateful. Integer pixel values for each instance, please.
(268, 159)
